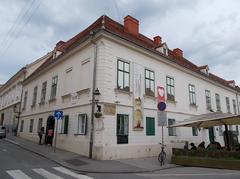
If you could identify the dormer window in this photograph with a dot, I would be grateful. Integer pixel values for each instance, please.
(204, 69)
(163, 49)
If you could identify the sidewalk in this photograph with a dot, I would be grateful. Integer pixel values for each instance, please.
(82, 164)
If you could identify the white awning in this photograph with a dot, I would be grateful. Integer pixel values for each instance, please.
(209, 120)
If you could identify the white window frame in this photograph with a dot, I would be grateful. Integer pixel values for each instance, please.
(82, 130)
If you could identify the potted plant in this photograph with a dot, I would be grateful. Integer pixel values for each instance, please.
(98, 114)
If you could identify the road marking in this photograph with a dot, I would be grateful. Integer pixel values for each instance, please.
(189, 174)
(46, 174)
(70, 173)
(17, 174)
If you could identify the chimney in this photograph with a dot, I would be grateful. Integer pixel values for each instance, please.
(60, 46)
(131, 25)
(157, 40)
(178, 52)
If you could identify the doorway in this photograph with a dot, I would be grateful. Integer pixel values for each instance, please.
(49, 128)
(211, 134)
(122, 128)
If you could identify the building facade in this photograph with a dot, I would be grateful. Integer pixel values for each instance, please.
(128, 69)
(11, 94)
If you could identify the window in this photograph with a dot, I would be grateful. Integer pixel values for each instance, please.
(123, 75)
(149, 83)
(64, 127)
(194, 131)
(192, 94)
(40, 124)
(122, 128)
(234, 106)
(43, 94)
(150, 126)
(228, 105)
(31, 125)
(21, 126)
(170, 88)
(237, 130)
(25, 100)
(208, 99)
(54, 87)
(218, 103)
(171, 130)
(34, 96)
(82, 124)
(220, 131)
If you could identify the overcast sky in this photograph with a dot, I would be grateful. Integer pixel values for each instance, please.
(206, 30)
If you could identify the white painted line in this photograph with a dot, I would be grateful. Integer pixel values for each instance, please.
(17, 174)
(72, 174)
(188, 174)
(46, 174)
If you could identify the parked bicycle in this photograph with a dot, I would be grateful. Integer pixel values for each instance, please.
(162, 155)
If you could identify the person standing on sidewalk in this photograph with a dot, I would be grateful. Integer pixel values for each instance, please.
(50, 136)
(40, 134)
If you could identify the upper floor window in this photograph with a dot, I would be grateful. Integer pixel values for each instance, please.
(149, 82)
(218, 102)
(31, 126)
(208, 99)
(123, 75)
(43, 93)
(54, 87)
(25, 100)
(234, 106)
(228, 105)
(170, 88)
(34, 96)
(194, 131)
(192, 94)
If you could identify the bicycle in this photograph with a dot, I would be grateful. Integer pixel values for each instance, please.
(162, 155)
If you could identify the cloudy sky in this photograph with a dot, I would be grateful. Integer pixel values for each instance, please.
(206, 30)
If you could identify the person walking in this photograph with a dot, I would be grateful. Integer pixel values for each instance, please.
(40, 134)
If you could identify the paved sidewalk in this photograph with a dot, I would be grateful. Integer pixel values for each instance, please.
(82, 164)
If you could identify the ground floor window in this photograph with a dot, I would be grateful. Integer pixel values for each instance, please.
(40, 124)
(82, 124)
(21, 126)
(194, 131)
(31, 125)
(150, 126)
(171, 130)
(122, 128)
(237, 130)
(64, 127)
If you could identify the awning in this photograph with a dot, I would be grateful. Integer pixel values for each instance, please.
(209, 120)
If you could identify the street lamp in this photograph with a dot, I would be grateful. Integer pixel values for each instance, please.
(17, 115)
(95, 100)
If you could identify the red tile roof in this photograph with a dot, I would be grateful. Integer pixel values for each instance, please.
(109, 25)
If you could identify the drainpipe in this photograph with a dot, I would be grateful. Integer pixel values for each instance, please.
(93, 96)
(20, 105)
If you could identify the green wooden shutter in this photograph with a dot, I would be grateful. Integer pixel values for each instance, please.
(150, 126)
(66, 119)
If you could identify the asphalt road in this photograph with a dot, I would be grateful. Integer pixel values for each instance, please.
(18, 163)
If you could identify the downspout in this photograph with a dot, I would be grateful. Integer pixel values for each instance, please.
(93, 96)
(20, 105)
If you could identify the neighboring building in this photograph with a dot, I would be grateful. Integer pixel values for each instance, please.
(11, 92)
(129, 68)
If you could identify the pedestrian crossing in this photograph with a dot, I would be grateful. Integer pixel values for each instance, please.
(44, 173)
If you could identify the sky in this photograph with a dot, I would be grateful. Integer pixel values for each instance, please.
(206, 30)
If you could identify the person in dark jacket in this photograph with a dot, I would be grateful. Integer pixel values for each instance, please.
(201, 145)
(40, 134)
(193, 147)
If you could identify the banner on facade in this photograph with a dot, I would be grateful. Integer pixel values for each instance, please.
(137, 97)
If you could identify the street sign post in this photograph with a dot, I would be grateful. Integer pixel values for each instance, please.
(58, 115)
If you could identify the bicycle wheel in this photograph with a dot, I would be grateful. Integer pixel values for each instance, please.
(162, 158)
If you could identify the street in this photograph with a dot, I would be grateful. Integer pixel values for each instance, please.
(18, 163)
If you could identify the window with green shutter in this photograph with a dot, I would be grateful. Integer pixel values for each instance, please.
(65, 121)
(150, 126)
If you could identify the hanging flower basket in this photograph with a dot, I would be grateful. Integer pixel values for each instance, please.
(98, 114)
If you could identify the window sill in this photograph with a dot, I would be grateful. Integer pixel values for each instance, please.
(123, 91)
(149, 96)
(193, 105)
(52, 100)
(171, 101)
(66, 96)
(78, 134)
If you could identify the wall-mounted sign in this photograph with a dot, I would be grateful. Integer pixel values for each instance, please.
(109, 109)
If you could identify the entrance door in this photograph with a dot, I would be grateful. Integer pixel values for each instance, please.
(50, 126)
(211, 134)
(2, 119)
(122, 128)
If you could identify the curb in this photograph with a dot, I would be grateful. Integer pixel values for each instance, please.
(80, 171)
